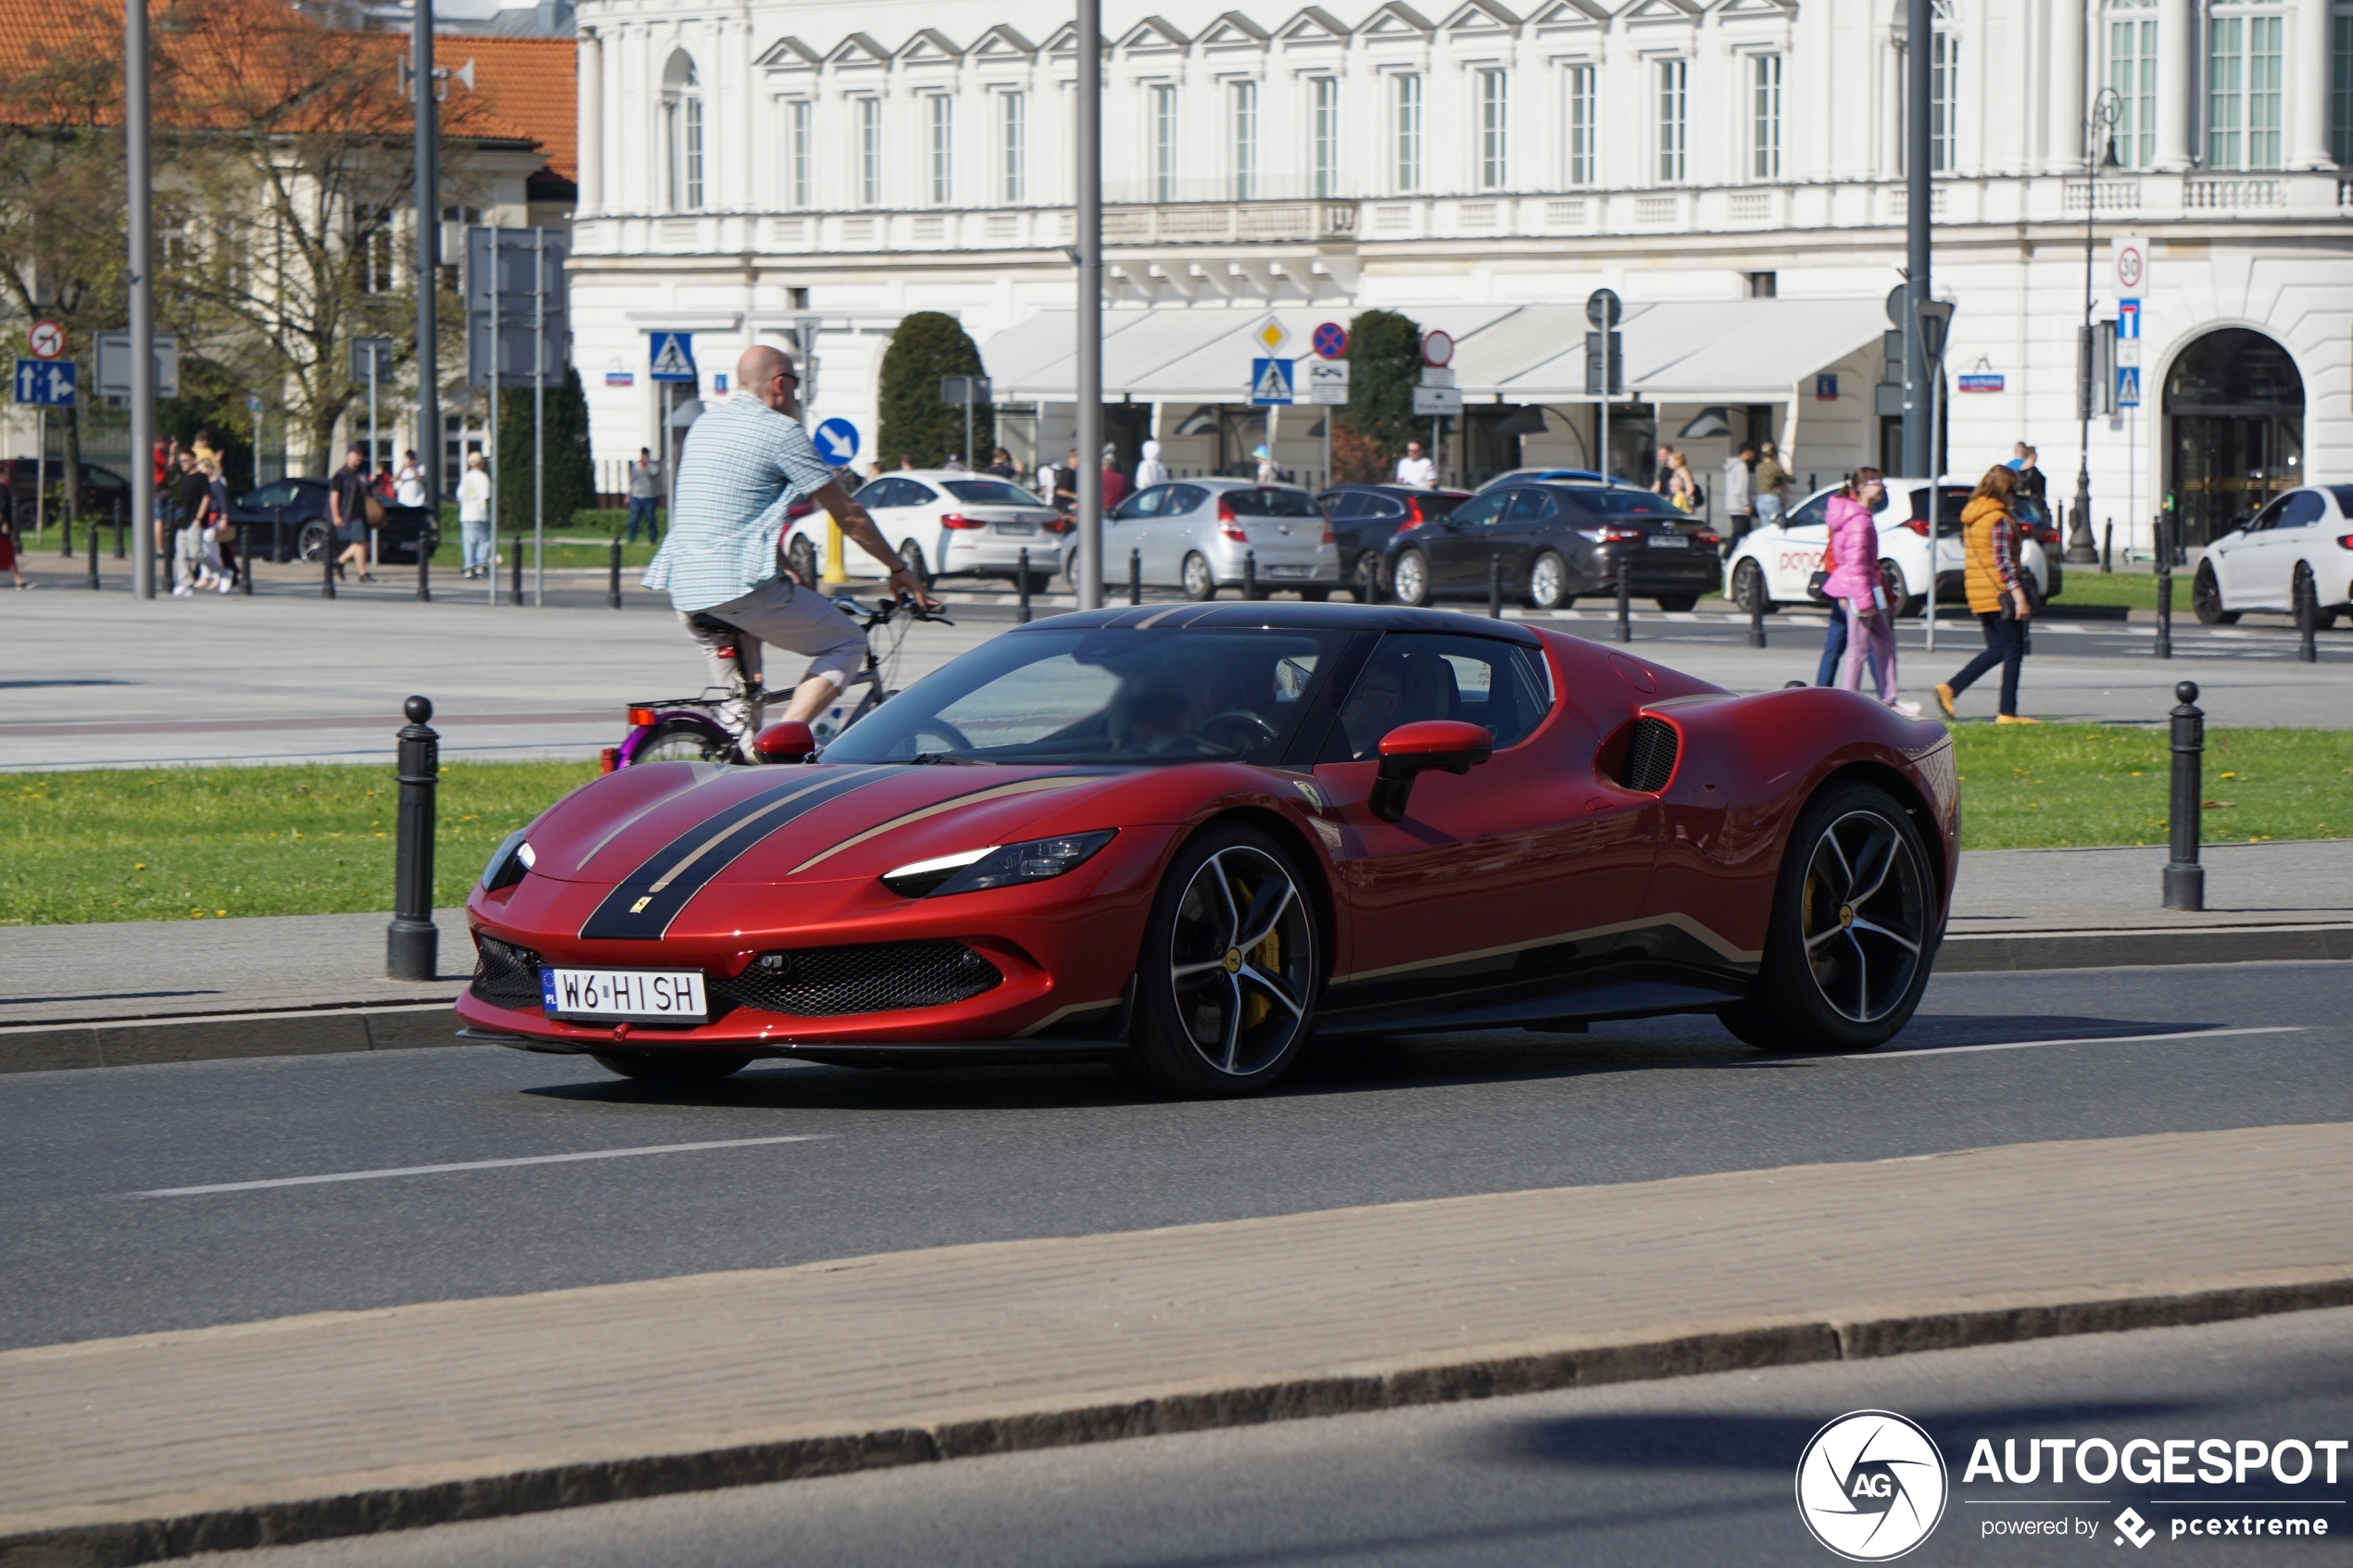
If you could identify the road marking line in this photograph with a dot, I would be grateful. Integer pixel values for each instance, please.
(2100, 1040)
(477, 1165)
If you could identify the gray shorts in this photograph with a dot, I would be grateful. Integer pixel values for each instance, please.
(797, 619)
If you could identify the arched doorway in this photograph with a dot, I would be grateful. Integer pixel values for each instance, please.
(2234, 430)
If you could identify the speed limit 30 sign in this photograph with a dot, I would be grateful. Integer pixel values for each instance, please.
(47, 340)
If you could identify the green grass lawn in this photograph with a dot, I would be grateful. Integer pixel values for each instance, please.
(202, 843)
(2136, 590)
(2051, 785)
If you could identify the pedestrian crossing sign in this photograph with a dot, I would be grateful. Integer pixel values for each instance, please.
(1270, 383)
(673, 356)
(2128, 386)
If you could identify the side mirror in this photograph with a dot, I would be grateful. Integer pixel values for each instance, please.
(789, 742)
(1411, 751)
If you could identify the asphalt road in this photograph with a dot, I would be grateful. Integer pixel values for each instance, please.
(900, 1159)
(1695, 1471)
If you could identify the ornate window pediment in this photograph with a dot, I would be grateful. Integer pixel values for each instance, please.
(1396, 23)
(1233, 31)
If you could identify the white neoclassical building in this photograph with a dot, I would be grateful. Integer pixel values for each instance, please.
(1733, 169)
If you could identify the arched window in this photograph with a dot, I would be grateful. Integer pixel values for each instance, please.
(682, 125)
(2234, 430)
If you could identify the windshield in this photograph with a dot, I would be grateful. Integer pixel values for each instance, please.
(1101, 695)
(989, 492)
(1271, 503)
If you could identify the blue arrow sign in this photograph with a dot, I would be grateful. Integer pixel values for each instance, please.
(47, 383)
(1270, 384)
(837, 442)
(673, 356)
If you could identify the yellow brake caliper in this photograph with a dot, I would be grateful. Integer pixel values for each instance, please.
(1268, 958)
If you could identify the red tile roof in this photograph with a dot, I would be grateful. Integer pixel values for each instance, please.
(527, 86)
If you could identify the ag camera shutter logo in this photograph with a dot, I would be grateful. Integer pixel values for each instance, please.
(1871, 1485)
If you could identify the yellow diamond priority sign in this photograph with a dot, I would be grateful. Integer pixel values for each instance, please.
(1270, 337)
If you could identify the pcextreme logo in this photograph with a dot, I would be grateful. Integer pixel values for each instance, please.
(1871, 1485)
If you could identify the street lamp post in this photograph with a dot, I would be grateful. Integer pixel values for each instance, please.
(1089, 256)
(139, 175)
(2099, 131)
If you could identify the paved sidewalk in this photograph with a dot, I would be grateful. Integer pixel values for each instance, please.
(344, 1421)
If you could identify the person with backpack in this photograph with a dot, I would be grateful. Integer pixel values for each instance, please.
(2001, 591)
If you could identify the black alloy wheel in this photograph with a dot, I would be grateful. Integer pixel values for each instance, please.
(1853, 932)
(1197, 581)
(1409, 579)
(2206, 598)
(910, 556)
(311, 542)
(1225, 985)
(1748, 587)
(671, 1066)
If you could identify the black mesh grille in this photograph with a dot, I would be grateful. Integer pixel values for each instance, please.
(1650, 756)
(506, 976)
(879, 977)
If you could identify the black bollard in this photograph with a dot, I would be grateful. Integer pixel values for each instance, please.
(1369, 579)
(516, 557)
(277, 535)
(2185, 878)
(2308, 616)
(1135, 576)
(613, 579)
(427, 542)
(412, 942)
(94, 553)
(244, 567)
(120, 507)
(1021, 587)
(1494, 585)
(327, 567)
(1625, 602)
(2164, 593)
(2108, 547)
(1757, 615)
(1249, 574)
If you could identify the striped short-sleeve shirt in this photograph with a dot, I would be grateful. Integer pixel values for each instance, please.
(744, 464)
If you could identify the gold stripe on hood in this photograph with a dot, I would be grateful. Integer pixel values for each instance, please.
(1002, 791)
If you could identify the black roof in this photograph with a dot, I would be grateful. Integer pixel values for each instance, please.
(1288, 616)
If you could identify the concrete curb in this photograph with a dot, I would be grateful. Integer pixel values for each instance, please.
(50, 1048)
(242, 1526)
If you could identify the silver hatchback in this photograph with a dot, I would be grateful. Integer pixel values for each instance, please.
(1203, 535)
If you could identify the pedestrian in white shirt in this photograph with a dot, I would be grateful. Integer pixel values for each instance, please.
(474, 515)
(408, 485)
(1416, 468)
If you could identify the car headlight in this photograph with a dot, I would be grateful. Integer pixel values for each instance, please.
(999, 865)
(508, 862)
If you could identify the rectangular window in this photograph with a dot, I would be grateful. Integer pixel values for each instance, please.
(1243, 101)
(1163, 143)
(1494, 130)
(2242, 91)
(1674, 121)
(2263, 73)
(939, 135)
(1765, 118)
(797, 152)
(694, 154)
(1325, 133)
(1944, 102)
(1407, 137)
(870, 152)
(1581, 125)
(2341, 88)
(1013, 136)
(2131, 73)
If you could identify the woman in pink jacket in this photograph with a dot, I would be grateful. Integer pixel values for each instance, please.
(1854, 541)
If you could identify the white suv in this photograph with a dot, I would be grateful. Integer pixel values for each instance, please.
(1775, 563)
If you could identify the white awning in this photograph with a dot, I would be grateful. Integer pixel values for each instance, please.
(1687, 351)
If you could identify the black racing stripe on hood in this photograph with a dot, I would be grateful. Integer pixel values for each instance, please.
(649, 899)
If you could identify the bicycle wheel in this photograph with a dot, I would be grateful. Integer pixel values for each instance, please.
(683, 739)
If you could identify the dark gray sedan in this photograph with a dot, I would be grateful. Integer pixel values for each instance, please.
(1557, 542)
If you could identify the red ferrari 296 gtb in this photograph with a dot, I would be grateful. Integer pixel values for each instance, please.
(1187, 838)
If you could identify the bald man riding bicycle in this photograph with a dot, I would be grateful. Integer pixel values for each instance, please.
(746, 462)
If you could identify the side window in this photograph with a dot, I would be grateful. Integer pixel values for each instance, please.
(1184, 498)
(1386, 507)
(878, 493)
(2301, 508)
(912, 494)
(1530, 505)
(1419, 675)
(1480, 509)
(1814, 513)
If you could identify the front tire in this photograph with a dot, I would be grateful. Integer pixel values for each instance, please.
(1200, 582)
(1409, 580)
(1853, 932)
(911, 554)
(1227, 979)
(672, 1066)
(2206, 598)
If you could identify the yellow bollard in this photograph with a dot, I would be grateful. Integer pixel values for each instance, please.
(837, 572)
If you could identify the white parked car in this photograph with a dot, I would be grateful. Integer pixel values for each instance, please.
(2305, 535)
(942, 522)
(1776, 563)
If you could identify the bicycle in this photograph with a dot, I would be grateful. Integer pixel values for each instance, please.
(690, 729)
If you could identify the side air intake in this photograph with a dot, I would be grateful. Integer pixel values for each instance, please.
(1650, 755)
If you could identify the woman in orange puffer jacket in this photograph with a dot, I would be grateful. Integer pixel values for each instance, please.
(1996, 582)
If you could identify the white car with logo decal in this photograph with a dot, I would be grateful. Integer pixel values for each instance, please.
(1775, 563)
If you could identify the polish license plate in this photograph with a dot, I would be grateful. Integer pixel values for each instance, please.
(1016, 530)
(1670, 541)
(653, 995)
(1289, 571)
